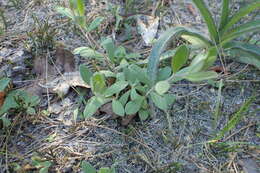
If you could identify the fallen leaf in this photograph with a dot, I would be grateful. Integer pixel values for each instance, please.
(64, 60)
(62, 84)
(147, 27)
(127, 119)
(2, 98)
(219, 69)
(191, 9)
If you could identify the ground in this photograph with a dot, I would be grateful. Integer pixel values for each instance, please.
(140, 146)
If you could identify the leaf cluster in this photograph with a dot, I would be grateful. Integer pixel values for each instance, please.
(17, 100)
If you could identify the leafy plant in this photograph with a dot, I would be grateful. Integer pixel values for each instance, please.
(42, 164)
(18, 100)
(42, 37)
(236, 118)
(76, 12)
(3, 23)
(131, 87)
(115, 54)
(88, 168)
(220, 38)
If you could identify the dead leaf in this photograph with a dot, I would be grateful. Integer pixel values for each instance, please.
(147, 27)
(219, 69)
(192, 10)
(62, 84)
(127, 119)
(2, 98)
(64, 60)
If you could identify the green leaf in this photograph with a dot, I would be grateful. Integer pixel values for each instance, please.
(115, 88)
(244, 52)
(140, 74)
(239, 15)
(120, 52)
(162, 87)
(95, 23)
(143, 114)
(93, 105)
(224, 14)
(180, 58)
(9, 102)
(4, 83)
(30, 111)
(85, 73)
(110, 47)
(200, 76)
(245, 57)
(87, 167)
(164, 73)
(159, 101)
(236, 118)
(105, 170)
(161, 44)
(6, 121)
(204, 11)
(81, 7)
(118, 108)
(170, 98)
(240, 30)
(87, 52)
(65, 12)
(133, 94)
(98, 83)
(130, 75)
(134, 106)
(205, 59)
(124, 98)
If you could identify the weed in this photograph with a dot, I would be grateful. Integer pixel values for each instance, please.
(42, 36)
(18, 100)
(3, 24)
(88, 168)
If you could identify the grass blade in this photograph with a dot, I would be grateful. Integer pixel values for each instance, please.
(208, 19)
(244, 52)
(224, 13)
(240, 30)
(81, 7)
(240, 14)
(236, 118)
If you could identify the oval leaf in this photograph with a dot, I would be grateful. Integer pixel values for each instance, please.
(162, 87)
(118, 108)
(143, 114)
(133, 107)
(85, 74)
(159, 101)
(180, 58)
(200, 76)
(95, 23)
(115, 88)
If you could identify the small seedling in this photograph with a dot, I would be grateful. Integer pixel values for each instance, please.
(42, 37)
(88, 168)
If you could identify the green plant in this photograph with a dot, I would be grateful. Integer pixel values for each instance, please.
(42, 36)
(220, 38)
(42, 164)
(3, 24)
(236, 118)
(131, 87)
(88, 168)
(76, 12)
(18, 100)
